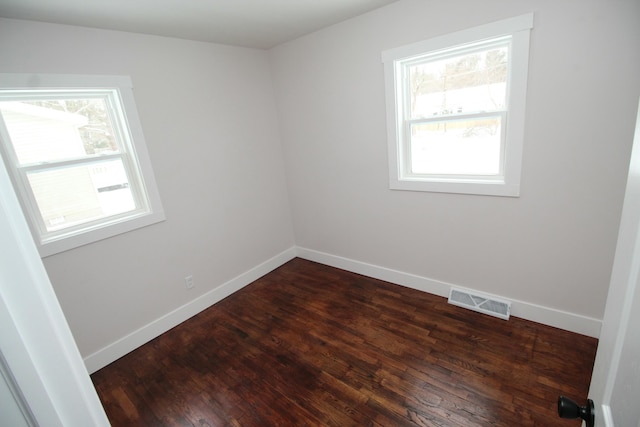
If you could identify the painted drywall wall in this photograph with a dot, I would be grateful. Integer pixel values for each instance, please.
(208, 115)
(554, 245)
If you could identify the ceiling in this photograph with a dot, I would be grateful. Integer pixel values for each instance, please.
(249, 23)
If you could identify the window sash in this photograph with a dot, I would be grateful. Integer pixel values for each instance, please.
(113, 102)
(406, 157)
(403, 73)
(405, 67)
(141, 203)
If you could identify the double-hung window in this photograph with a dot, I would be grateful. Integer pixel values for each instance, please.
(455, 110)
(75, 151)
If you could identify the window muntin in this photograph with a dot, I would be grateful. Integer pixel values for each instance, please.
(455, 108)
(75, 164)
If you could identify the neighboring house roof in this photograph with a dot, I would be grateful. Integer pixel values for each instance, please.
(45, 113)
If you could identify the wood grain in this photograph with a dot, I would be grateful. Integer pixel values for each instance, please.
(311, 345)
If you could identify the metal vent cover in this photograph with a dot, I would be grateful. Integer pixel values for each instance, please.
(480, 302)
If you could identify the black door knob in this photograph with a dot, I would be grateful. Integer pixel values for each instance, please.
(567, 408)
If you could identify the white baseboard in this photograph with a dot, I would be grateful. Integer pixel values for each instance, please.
(606, 416)
(547, 316)
(124, 345)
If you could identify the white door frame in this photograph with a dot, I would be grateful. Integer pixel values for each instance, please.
(38, 348)
(623, 285)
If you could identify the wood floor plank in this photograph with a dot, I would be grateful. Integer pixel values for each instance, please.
(311, 345)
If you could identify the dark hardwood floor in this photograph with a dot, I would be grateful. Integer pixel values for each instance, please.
(310, 345)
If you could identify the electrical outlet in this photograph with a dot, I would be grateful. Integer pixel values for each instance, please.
(188, 281)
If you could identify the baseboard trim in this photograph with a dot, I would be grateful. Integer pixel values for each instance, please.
(547, 316)
(607, 417)
(536, 313)
(119, 348)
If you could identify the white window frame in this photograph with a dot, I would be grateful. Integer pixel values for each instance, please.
(135, 157)
(507, 182)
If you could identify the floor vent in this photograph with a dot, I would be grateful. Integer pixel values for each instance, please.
(478, 302)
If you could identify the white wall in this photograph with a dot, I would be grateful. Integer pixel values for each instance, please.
(554, 245)
(208, 114)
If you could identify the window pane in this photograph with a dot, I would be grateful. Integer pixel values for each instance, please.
(79, 194)
(54, 129)
(467, 83)
(457, 147)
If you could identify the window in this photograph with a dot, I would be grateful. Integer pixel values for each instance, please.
(455, 110)
(75, 151)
